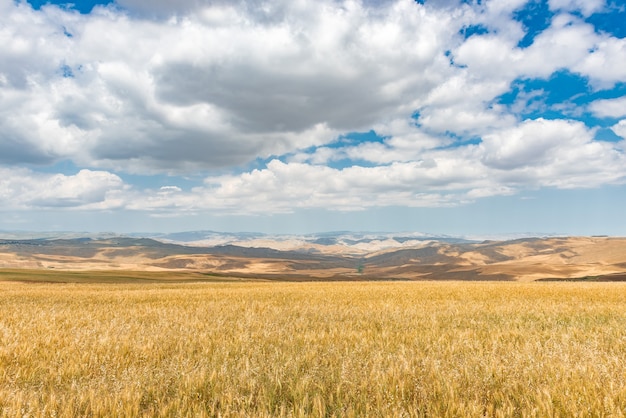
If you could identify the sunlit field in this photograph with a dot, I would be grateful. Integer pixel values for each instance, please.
(313, 349)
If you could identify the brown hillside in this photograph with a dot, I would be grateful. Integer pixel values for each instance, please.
(525, 259)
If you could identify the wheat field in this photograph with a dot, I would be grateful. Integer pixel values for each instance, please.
(313, 349)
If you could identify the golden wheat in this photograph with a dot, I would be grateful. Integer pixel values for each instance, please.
(313, 349)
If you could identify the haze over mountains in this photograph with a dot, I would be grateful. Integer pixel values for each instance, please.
(329, 256)
(339, 242)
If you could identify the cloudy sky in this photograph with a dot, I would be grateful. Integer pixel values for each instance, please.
(291, 116)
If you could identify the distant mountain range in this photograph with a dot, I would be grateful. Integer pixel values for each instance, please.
(328, 242)
(330, 256)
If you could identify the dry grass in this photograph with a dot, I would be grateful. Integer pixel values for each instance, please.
(313, 349)
(110, 276)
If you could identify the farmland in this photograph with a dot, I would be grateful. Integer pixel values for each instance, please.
(312, 349)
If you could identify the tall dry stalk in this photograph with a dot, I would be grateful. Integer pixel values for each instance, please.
(313, 349)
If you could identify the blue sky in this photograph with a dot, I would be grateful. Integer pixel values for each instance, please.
(456, 117)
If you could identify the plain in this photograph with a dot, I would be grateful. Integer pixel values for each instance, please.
(313, 349)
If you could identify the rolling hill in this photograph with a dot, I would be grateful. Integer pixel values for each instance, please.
(332, 257)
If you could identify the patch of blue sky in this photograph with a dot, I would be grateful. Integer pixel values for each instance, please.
(562, 86)
(341, 163)
(607, 135)
(259, 163)
(339, 160)
(468, 31)
(611, 20)
(66, 71)
(536, 17)
(156, 181)
(350, 140)
(560, 211)
(459, 141)
(360, 137)
(82, 6)
(618, 90)
(452, 63)
(65, 167)
(565, 95)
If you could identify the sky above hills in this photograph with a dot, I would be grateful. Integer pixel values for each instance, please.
(449, 116)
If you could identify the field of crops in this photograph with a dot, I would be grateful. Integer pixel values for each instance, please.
(313, 349)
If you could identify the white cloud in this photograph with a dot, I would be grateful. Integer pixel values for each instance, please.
(539, 153)
(620, 130)
(214, 88)
(464, 102)
(462, 105)
(569, 158)
(401, 141)
(613, 108)
(234, 81)
(532, 143)
(174, 87)
(564, 44)
(22, 188)
(170, 189)
(586, 7)
(555, 153)
(288, 186)
(605, 63)
(490, 57)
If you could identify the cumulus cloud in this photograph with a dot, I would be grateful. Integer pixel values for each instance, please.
(569, 158)
(613, 108)
(489, 64)
(586, 7)
(214, 86)
(539, 153)
(23, 188)
(604, 63)
(532, 143)
(287, 186)
(566, 43)
(620, 130)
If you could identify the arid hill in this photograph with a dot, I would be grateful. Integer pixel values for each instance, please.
(590, 258)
